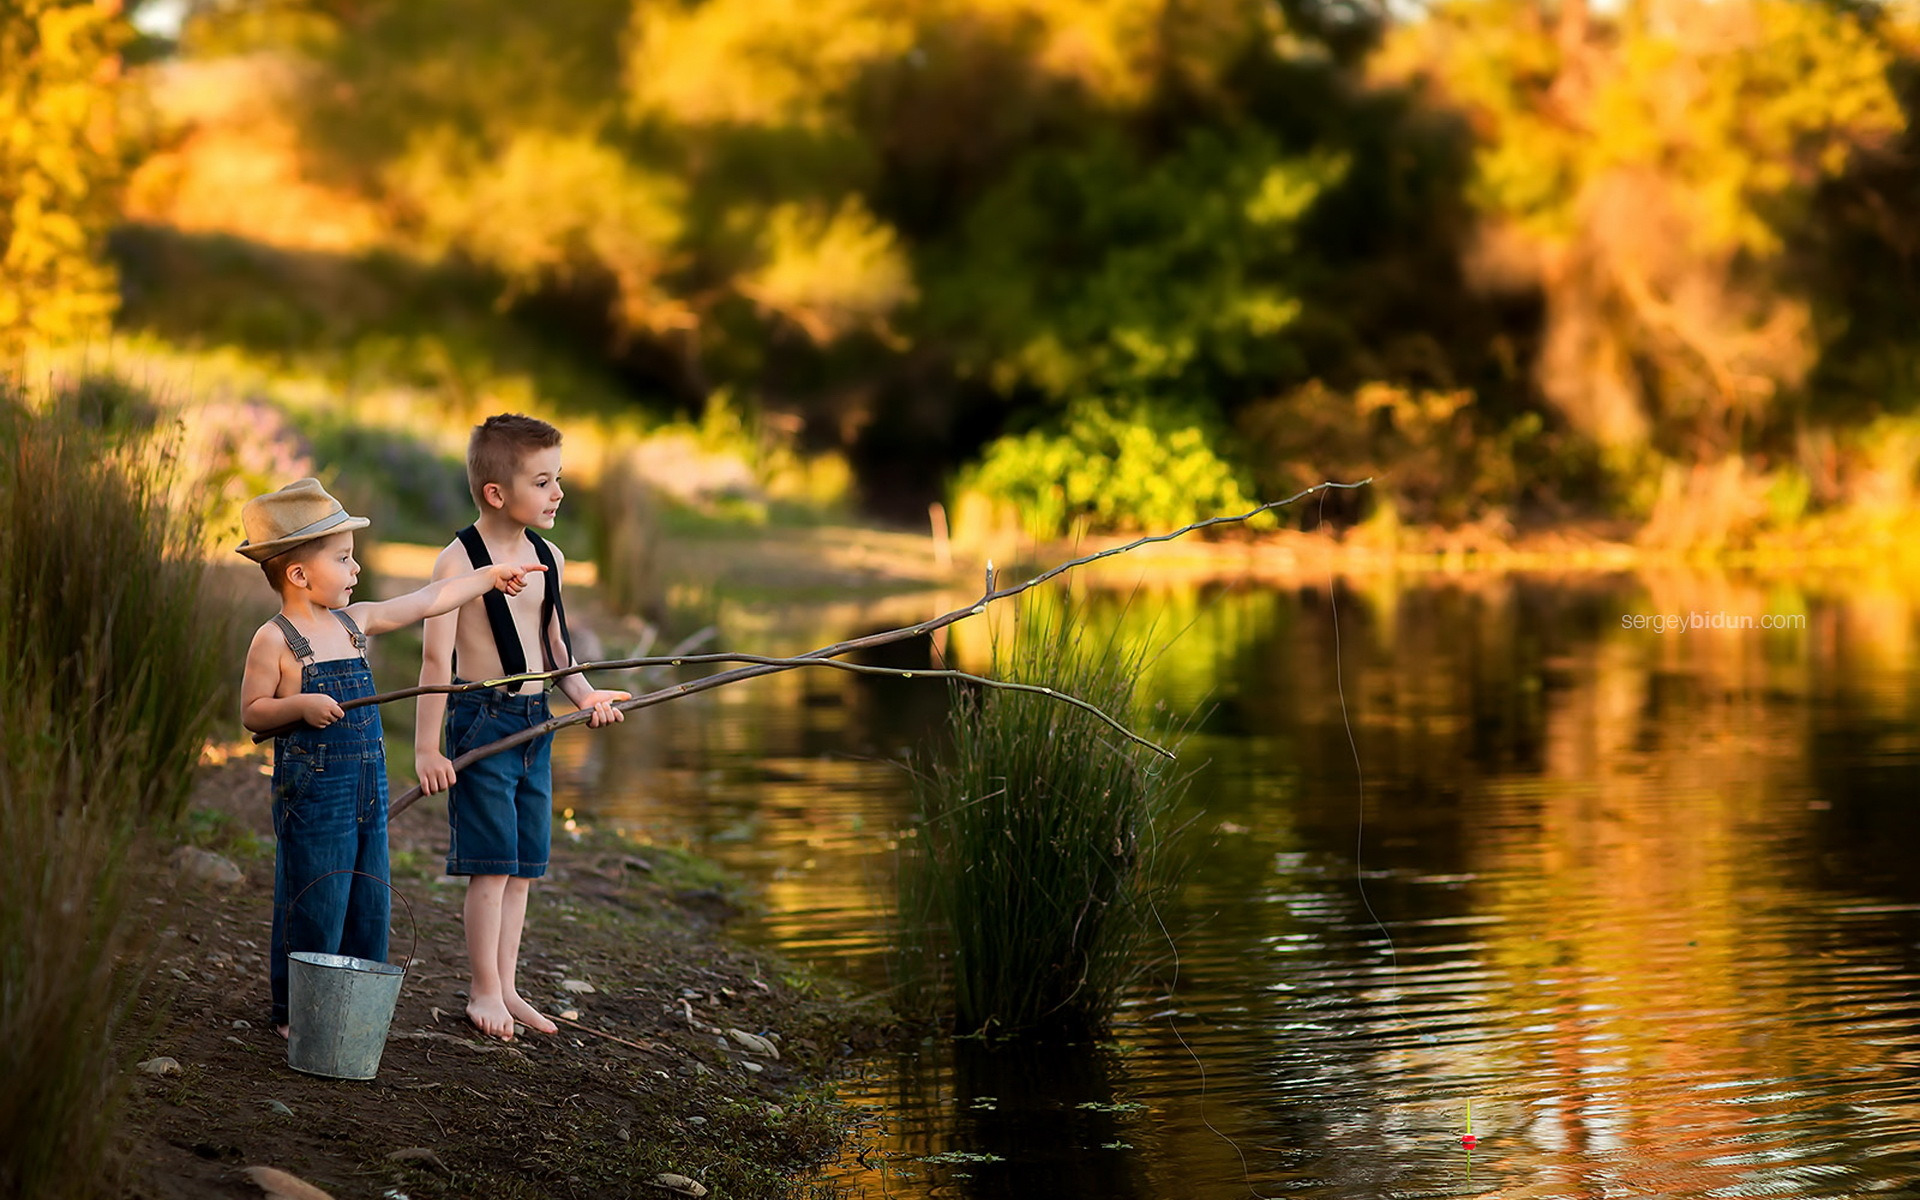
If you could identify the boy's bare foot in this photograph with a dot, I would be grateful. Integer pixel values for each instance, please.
(489, 1015)
(529, 1016)
(283, 1030)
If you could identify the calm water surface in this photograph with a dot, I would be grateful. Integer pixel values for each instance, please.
(1642, 903)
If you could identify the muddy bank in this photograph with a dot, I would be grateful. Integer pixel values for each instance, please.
(650, 1080)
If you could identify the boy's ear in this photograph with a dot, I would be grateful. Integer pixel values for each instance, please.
(296, 574)
(493, 494)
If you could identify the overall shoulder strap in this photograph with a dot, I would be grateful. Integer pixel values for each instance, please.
(551, 604)
(506, 639)
(301, 647)
(353, 631)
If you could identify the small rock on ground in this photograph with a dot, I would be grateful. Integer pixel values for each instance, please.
(420, 1156)
(278, 1185)
(161, 1066)
(679, 1184)
(204, 866)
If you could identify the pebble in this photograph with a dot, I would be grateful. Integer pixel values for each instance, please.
(679, 1184)
(204, 866)
(420, 1156)
(279, 1185)
(182, 976)
(243, 1025)
(161, 1066)
(754, 1043)
(755, 1067)
(236, 1041)
(571, 1014)
(696, 1120)
(578, 987)
(278, 1109)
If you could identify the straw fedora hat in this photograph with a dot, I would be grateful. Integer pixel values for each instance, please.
(298, 512)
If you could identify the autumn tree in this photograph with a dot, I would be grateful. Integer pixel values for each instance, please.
(1646, 172)
(60, 162)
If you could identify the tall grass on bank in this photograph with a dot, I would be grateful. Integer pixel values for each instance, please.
(1043, 844)
(108, 673)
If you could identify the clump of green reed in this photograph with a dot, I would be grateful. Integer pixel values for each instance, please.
(109, 669)
(1042, 846)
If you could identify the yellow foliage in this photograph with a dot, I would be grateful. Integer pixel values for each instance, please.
(757, 62)
(60, 163)
(794, 62)
(577, 204)
(232, 158)
(830, 272)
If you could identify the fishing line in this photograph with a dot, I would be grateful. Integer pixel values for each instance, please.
(1359, 772)
(1360, 795)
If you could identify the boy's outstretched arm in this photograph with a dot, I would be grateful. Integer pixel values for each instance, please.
(440, 596)
(431, 766)
(260, 709)
(576, 688)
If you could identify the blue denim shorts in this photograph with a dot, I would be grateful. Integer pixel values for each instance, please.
(500, 811)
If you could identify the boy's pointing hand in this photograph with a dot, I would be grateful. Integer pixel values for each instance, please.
(512, 579)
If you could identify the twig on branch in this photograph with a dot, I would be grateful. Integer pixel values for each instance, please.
(823, 656)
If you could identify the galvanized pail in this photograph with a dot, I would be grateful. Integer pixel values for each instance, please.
(339, 1007)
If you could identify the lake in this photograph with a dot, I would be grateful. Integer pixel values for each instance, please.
(1619, 868)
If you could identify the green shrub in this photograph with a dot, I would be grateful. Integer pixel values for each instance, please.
(1042, 846)
(1116, 465)
(110, 672)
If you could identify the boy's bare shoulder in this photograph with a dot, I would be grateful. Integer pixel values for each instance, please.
(452, 556)
(268, 647)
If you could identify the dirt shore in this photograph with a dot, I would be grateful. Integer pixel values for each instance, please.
(648, 1079)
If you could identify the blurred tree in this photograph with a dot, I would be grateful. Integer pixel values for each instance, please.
(60, 163)
(1646, 172)
(921, 225)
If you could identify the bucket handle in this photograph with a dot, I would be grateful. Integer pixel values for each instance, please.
(412, 950)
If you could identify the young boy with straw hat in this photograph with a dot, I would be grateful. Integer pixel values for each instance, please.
(330, 774)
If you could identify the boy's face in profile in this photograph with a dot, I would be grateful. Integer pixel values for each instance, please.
(329, 571)
(532, 497)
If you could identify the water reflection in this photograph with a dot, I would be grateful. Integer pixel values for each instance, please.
(1642, 898)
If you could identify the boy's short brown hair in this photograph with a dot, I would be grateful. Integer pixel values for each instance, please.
(497, 446)
(275, 568)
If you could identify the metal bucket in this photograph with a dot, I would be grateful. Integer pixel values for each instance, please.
(339, 1007)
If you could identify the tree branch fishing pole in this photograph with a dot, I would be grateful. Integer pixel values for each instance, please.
(672, 658)
(825, 655)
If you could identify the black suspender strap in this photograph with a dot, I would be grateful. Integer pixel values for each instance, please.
(506, 638)
(551, 605)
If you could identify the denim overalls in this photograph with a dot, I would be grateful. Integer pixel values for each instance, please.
(329, 814)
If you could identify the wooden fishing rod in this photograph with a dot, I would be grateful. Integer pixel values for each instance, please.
(672, 658)
(827, 656)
